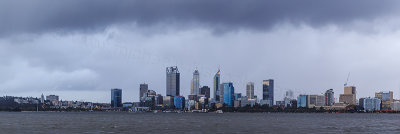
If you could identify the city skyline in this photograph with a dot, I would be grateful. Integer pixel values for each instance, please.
(306, 47)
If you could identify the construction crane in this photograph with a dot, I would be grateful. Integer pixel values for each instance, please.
(345, 84)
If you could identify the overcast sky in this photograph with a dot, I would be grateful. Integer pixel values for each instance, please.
(80, 49)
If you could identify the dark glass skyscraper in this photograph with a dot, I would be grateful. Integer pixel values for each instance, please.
(173, 81)
(268, 91)
(216, 86)
(116, 98)
(205, 90)
(143, 89)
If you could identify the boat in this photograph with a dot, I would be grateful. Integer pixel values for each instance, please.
(219, 112)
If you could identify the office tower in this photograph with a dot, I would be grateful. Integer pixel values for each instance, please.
(250, 90)
(179, 102)
(349, 96)
(217, 86)
(195, 85)
(173, 81)
(42, 99)
(143, 89)
(370, 104)
(386, 99)
(221, 93)
(116, 97)
(329, 97)
(52, 98)
(315, 101)
(229, 91)
(268, 91)
(302, 101)
(159, 99)
(205, 90)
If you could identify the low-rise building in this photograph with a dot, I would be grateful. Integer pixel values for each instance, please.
(370, 104)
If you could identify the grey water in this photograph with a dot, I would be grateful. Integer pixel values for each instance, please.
(122, 122)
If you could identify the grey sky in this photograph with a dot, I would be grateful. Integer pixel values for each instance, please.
(81, 49)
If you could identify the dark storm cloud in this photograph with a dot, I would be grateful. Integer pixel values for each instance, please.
(88, 15)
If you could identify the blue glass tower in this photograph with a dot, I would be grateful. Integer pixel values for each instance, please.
(302, 101)
(179, 102)
(116, 98)
(229, 92)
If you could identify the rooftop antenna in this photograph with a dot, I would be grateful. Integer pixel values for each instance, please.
(345, 84)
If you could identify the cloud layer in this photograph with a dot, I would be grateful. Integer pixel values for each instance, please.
(220, 15)
(82, 49)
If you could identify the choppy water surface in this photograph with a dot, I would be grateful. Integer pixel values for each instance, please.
(44, 122)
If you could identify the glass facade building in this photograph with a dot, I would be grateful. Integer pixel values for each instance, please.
(173, 81)
(250, 90)
(229, 91)
(195, 85)
(268, 91)
(216, 88)
(143, 89)
(116, 98)
(179, 102)
(370, 104)
(302, 101)
(329, 97)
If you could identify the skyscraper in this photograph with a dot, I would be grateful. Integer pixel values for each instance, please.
(329, 97)
(268, 91)
(250, 90)
(116, 97)
(205, 90)
(216, 86)
(229, 91)
(195, 85)
(173, 81)
(143, 89)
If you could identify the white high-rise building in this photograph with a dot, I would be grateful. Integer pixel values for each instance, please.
(250, 90)
(195, 85)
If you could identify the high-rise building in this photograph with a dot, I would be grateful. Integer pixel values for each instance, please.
(195, 86)
(143, 89)
(250, 90)
(116, 97)
(349, 96)
(205, 90)
(173, 81)
(329, 97)
(370, 104)
(268, 91)
(221, 93)
(229, 91)
(386, 99)
(216, 88)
